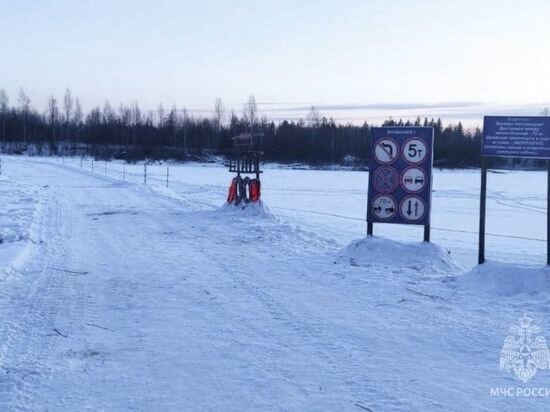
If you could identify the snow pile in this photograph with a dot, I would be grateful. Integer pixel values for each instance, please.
(503, 279)
(258, 209)
(419, 256)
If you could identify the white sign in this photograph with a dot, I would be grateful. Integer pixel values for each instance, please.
(412, 208)
(384, 207)
(413, 179)
(415, 151)
(386, 151)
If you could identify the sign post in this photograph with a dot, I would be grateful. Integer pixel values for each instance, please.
(482, 209)
(400, 177)
(548, 212)
(516, 137)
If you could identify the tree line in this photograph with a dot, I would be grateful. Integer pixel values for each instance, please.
(129, 132)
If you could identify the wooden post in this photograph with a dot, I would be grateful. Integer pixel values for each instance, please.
(482, 208)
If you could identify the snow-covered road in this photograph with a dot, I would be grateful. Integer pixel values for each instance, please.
(120, 297)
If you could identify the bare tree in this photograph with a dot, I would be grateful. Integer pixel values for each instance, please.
(109, 115)
(313, 117)
(24, 106)
(125, 118)
(53, 115)
(4, 106)
(173, 123)
(136, 120)
(251, 112)
(314, 121)
(68, 108)
(160, 112)
(185, 122)
(219, 111)
(78, 116)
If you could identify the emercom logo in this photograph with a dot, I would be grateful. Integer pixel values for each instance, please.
(524, 352)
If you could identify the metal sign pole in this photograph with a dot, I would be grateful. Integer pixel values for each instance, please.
(548, 213)
(369, 228)
(482, 207)
(426, 233)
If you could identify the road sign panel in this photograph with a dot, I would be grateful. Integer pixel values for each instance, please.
(519, 137)
(409, 178)
(516, 136)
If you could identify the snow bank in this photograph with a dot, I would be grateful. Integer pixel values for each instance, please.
(503, 279)
(258, 209)
(376, 251)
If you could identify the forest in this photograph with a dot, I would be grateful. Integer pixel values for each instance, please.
(127, 132)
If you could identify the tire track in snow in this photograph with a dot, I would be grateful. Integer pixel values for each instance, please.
(31, 313)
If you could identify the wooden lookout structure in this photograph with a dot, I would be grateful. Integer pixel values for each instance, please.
(246, 155)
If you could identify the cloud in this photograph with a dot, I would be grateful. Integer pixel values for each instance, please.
(377, 106)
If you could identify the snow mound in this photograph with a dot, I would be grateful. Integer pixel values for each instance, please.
(420, 256)
(258, 209)
(504, 279)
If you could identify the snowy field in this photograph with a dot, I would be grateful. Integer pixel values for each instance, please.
(118, 296)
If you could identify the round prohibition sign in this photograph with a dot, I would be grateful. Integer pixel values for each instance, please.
(384, 207)
(413, 179)
(385, 179)
(386, 151)
(412, 209)
(415, 150)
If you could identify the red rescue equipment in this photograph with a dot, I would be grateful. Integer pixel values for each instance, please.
(254, 190)
(232, 193)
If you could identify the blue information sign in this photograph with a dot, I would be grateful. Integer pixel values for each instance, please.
(516, 136)
(400, 175)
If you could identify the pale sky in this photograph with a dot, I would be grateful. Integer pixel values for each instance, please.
(293, 53)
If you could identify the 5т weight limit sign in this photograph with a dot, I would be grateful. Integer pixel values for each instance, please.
(400, 175)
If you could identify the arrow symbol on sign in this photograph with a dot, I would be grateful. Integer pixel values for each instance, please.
(388, 148)
(409, 210)
(416, 209)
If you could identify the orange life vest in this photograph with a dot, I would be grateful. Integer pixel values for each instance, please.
(254, 188)
(232, 193)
